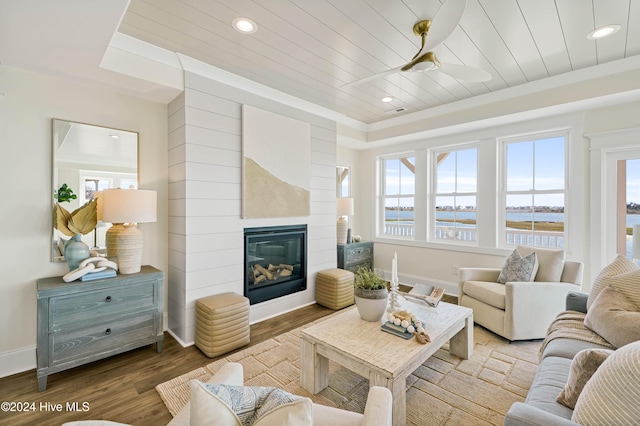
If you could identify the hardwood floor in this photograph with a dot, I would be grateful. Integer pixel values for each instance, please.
(122, 388)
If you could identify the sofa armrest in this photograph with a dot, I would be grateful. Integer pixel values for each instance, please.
(230, 373)
(531, 306)
(521, 414)
(379, 407)
(478, 274)
(577, 301)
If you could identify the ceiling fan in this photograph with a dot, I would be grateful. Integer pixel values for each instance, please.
(438, 29)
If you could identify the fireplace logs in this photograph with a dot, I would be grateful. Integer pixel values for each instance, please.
(271, 273)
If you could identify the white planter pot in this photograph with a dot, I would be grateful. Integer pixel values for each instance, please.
(371, 304)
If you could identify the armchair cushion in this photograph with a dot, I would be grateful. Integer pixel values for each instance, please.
(619, 266)
(614, 317)
(491, 293)
(519, 268)
(218, 404)
(550, 262)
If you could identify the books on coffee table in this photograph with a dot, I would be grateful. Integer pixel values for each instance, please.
(396, 330)
(428, 294)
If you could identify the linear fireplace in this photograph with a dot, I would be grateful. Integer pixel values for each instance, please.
(275, 259)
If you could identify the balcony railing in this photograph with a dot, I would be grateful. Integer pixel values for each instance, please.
(399, 229)
(549, 239)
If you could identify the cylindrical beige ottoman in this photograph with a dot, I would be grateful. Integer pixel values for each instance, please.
(334, 288)
(222, 323)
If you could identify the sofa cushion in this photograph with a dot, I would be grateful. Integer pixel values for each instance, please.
(518, 268)
(583, 366)
(568, 348)
(217, 404)
(619, 266)
(487, 292)
(549, 380)
(611, 396)
(550, 262)
(614, 317)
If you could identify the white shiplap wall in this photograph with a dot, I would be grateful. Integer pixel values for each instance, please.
(205, 224)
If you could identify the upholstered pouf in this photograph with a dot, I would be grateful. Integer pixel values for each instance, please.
(334, 288)
(222, 323)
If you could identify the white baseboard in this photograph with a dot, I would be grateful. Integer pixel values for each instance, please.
(18, 361)
(179, 340)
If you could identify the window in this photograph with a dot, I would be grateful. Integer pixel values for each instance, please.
(456, 186)
(629, 186)
(534, 191)
(398, 195)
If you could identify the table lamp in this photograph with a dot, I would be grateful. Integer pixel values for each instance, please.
(344, 207)
(130, 207)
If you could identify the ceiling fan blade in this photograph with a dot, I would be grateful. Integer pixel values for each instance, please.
(443, 24)
(465, 73)
(371, 77)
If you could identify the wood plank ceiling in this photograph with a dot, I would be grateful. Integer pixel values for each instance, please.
(312, 48)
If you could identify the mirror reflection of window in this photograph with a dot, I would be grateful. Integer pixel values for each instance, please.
(343, 181)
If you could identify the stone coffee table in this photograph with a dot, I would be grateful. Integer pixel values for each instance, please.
(385, 359)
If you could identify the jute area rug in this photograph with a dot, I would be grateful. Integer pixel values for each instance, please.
(445, 390)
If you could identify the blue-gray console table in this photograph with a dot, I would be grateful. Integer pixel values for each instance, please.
(81, 322)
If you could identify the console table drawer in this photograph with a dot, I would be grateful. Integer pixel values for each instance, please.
(76, 309)
(66, 346)
(355, 266)
(359, 254)
(355, 255)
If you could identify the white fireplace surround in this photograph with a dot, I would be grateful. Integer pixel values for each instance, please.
(206, 229)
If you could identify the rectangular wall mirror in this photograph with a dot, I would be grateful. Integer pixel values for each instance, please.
(88, 159)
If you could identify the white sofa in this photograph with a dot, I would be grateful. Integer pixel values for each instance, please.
(520, 310)
(377, 411)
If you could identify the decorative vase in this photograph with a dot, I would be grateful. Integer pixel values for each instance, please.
(371, 304)
(75, 251)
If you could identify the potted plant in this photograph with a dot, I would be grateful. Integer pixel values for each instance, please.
(371, 294)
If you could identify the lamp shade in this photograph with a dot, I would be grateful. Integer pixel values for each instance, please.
(129, 205)
(344, 206)
(635, 249)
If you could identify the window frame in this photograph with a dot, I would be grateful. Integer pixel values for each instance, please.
(502, 183)
(433, 194)
(383, 196)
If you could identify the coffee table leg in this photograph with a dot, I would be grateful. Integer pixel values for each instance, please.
(314, 368)
(461, 345)
(398, 388)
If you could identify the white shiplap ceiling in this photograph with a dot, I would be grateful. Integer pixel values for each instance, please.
(312, 48)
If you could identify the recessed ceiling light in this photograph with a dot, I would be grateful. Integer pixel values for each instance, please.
(245, 25)
(115, 136)
(602, 32)
(387, 99)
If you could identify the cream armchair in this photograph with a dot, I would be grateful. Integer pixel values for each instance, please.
(520, 310)
(377, 411)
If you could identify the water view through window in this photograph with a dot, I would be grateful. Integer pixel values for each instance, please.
(532, 194)
(632, 201)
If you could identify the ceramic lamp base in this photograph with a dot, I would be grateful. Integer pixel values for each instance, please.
(125, 242)
(341, 228)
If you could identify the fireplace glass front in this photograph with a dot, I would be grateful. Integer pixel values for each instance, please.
(275, 261)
